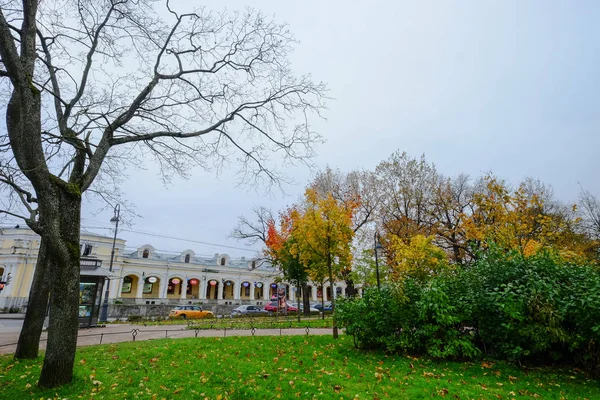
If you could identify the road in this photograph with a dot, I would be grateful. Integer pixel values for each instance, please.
(10, 325)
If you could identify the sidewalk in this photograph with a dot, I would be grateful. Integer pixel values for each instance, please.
(128, 332)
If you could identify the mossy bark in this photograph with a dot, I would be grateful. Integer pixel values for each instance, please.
(62, 234)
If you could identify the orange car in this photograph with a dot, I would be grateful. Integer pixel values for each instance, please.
(185, 312)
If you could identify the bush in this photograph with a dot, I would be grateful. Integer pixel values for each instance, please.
(536, 308)
(135, 318)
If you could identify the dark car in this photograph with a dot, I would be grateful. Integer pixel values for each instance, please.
(320, 307)
(248, 310)
(272, 307)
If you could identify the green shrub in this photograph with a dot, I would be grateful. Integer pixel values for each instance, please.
(538, 308)
(135, 318)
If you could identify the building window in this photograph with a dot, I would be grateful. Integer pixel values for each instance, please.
(253, 264)
(126, 288)
(146, 253)
(223, 261)
(87, 250)
(187, 259)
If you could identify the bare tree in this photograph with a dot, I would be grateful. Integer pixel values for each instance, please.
(452, 202)
(93, 79)
(407, 189)
(253, 232)
(590, 211)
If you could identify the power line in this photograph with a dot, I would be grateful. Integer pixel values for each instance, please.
(177, 238)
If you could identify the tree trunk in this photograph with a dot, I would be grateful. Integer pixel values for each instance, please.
(29, 339)
(62, 234)
(305, 299)
(298, 300)
(350, 289)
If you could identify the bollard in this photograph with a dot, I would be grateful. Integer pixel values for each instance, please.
(101, 336)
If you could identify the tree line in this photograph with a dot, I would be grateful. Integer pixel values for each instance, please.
(425, 221)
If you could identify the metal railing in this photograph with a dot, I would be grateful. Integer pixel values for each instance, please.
(193, 328)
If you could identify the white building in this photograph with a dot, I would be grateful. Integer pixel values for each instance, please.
(146, 276)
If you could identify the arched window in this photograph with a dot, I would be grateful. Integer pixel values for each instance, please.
(146, 253)
(187, 259)
(223, 261)
(126, 288)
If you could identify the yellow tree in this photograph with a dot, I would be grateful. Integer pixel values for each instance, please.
(322, 238)
(420, 258)
(523, 220)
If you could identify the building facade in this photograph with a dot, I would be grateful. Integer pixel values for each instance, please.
(146, 276)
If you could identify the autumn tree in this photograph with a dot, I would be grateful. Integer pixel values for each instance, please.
(355, 187)
(419, 259)
(282, 250)
(524, 219)
(323, 236)
(205, 86)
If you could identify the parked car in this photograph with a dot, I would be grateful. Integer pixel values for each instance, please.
(248, 310)
(311, 308)
(185, 312)
(272, 307)
(320, 307)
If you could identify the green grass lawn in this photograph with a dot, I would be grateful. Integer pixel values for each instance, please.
(286, 368)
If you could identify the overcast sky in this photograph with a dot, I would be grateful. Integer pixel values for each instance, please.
(510, 87)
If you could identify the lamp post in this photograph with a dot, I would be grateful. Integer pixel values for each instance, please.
(378, 246)
(113, 220)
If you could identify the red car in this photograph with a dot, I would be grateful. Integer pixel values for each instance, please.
(272, 308)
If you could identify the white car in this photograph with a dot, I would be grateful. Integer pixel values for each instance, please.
(301, 308)
(248, 310)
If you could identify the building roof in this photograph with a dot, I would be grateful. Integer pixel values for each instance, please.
(241, 262)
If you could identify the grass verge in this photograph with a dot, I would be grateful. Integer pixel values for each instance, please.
(284, 367)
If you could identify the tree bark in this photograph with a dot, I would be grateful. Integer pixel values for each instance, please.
(305, 299)
(350, 289)
(62, 235)
(298, 300)
(29, 339)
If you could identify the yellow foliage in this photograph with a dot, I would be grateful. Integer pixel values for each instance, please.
(518, 220)
(419, 259)
(323, 235)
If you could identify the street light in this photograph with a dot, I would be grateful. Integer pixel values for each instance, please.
(114, 220)
(378, 247)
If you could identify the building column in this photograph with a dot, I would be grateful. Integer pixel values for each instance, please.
(314, 292)
(162, 289)
(202, 289)
(220, 290)
(183, 284)
(140, 288)
(237, 290)
(266, 290)
(252, 290)
(115, 288)
(325, 297)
